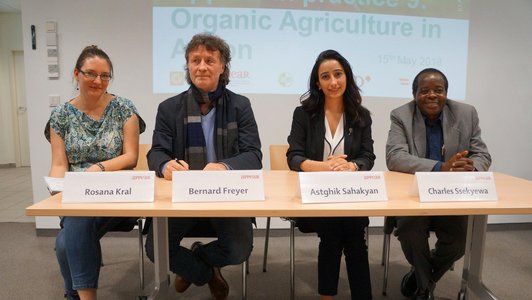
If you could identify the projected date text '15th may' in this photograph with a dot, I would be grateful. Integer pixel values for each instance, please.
(414, 61)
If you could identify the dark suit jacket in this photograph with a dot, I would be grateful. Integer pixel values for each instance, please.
(406, 147)
(307, 136)
(169, 135)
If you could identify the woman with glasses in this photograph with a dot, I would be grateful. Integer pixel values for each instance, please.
(331, 131)
(94, 132)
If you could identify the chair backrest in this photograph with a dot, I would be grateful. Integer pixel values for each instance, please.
(142, 162)
(278, 157)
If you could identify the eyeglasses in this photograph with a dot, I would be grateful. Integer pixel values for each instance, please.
(93, 75)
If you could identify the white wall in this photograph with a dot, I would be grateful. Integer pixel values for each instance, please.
(499, 84)
(498, 78)
(10, 40)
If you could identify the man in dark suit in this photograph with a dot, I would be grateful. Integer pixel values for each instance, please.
(433, 133)
(207, 127)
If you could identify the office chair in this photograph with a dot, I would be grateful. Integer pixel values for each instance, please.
(128, 224)
(142, 165)
(278, 162)
(142, 161)
(390, 223)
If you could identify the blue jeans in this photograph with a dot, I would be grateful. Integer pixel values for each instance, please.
(78, 251)
(233, 246)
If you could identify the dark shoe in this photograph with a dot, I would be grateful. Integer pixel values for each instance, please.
(195, 246)
(72, 296)
(427, 294)
(181, 284)
(218, 285)
(409, 284)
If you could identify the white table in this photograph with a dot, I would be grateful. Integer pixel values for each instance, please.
(282, 200)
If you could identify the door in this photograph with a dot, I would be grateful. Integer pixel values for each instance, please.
(22, 147)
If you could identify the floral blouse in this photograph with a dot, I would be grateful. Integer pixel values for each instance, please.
(88, 141)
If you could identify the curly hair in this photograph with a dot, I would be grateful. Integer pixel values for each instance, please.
(212, 43)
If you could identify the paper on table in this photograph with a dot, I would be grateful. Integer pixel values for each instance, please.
(54, 184)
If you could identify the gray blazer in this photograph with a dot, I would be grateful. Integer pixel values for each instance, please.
(407, 140)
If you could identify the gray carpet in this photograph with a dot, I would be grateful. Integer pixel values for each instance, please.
(28, 268)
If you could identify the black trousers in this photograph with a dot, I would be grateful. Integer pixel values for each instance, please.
(347, 235)
(413, 233)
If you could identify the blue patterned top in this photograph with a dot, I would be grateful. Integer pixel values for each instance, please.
(88, 141)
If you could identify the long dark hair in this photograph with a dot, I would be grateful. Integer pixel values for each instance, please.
(313, 100)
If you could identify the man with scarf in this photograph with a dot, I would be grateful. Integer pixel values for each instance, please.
(207, 127)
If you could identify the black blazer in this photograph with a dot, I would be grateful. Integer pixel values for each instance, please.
(169, 135)
(307, 136)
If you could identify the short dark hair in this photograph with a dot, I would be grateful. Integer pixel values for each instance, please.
(212, 43)
(93, 51)
(415, 83)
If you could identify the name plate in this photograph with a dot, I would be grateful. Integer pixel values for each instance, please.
(455, 186)
(330, 187)
(217, 186)
(102, 187)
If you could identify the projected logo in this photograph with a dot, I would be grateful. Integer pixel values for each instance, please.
(240, 74)
(177, 78)
(285, 79)
(240, 78)
(404, 81)
(361, 80)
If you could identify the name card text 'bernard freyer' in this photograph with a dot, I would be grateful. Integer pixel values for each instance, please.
(330, 187)
(215, 186)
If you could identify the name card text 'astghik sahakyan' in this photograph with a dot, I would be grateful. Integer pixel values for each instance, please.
(101, 187)
(216, 186)
(455, 186)
(330, 187)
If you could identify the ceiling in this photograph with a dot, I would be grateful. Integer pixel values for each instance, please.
(9, 6)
